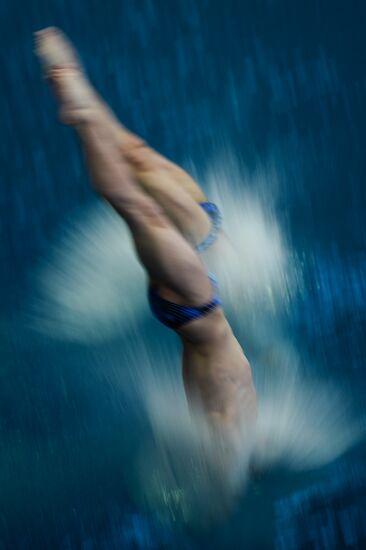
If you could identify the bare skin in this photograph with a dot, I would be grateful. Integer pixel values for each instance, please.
(171, 186)
(159, 203)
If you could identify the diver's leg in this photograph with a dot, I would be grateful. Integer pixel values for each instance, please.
(176, 192)
(168, 184)
(146, 162)
(163, 251)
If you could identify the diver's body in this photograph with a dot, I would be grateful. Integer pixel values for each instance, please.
(166, 212)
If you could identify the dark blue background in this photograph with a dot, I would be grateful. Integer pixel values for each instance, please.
(265, 77)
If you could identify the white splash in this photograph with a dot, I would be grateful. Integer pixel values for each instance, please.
(184, 473)
(254, 264)
(93, 287)
(304, 422)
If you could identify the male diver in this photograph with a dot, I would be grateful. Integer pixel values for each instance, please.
(171, 222)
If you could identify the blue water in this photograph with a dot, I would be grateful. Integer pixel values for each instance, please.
(279, 87)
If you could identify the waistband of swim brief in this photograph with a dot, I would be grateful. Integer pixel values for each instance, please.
(216, 222)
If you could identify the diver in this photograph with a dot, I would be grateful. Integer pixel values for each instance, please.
(171, 222)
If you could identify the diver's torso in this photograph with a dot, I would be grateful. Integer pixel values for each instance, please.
(219, 371)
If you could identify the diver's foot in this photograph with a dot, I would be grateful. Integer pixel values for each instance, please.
(55, 50)
(78, 100)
